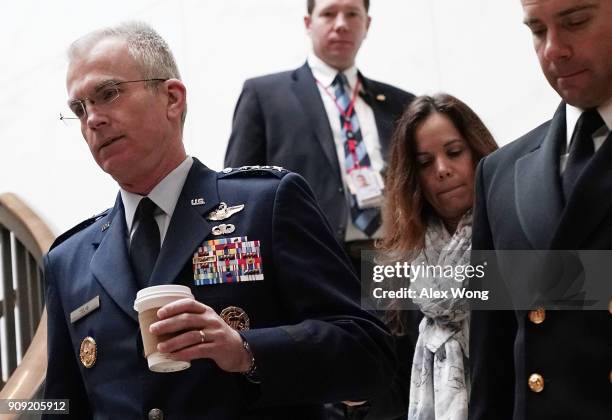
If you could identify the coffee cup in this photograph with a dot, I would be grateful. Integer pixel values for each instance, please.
(148, 301)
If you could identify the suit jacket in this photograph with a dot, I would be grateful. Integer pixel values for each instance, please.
(311, 341)
(520, 206)
(280, 120)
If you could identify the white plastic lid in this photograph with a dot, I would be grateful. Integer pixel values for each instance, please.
(158, 296)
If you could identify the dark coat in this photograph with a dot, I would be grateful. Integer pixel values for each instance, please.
(311, 341)
(520, 206)
(280, 120)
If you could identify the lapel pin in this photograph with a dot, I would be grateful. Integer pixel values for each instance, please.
(223, 229)
(381, 98)
(105, 226)
(197, 201)
(224, 212)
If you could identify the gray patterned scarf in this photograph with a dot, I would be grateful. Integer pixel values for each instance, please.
(439, 381)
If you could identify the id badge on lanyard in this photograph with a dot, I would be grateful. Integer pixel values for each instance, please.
(364, 183)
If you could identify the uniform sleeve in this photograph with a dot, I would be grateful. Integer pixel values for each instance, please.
(335, 350)
(391, 402)
(63, 379)
(247, 143)
(492, 334)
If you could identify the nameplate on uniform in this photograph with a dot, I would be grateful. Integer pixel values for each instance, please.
(227, 260)
(85, 309)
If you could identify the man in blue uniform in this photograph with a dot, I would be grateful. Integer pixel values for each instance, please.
(275, 329)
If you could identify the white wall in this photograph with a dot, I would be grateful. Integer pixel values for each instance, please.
(476, 49)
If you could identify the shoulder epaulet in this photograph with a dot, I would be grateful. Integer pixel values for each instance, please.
(78, 228)
(251, 170)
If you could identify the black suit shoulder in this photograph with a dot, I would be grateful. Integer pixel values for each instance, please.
(268, 80)
(524, 144)
(395, 91)
(270, 85)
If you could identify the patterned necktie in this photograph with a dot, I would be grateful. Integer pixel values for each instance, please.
(366, 220)
(145, 244)
(581, 148)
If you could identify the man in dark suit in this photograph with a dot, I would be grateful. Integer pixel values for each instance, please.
(295, 120)
(275, 329)
(550, 190)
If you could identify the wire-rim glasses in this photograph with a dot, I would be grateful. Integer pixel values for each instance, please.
(103, 95)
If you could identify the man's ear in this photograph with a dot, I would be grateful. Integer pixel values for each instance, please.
(307, 22)
(177, 98)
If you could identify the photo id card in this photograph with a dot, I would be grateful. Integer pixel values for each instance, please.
(367, 186)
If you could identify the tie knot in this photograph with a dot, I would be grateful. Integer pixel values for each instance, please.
(146, 208)
(589, 122)
(340, 80)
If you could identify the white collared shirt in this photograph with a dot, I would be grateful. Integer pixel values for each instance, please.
(571, 118)
(326, 74)
(165, 195)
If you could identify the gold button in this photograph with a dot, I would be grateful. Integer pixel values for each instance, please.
(536, 382)
(156, 414)
(537, 316)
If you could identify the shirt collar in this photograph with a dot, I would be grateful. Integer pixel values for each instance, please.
(326, 74)
(572, 114)
(605, 111)
(165, 194)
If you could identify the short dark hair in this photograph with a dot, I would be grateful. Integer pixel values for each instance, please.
(310, 5)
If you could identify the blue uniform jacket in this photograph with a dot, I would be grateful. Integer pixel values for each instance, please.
(311, 341)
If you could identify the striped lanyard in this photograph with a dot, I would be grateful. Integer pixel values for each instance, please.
(346, 119)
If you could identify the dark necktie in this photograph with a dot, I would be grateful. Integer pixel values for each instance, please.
(145, 244)
(581, 148)
(366, 220)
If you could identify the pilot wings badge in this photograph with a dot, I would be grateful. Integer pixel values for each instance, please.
(224, 212)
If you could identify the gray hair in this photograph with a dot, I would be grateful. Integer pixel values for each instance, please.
(148, 49)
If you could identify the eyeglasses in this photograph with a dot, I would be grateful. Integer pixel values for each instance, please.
(103, 95)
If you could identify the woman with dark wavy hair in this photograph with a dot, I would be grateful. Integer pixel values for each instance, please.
(427, 220)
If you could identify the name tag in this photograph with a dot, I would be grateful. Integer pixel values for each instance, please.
(85, 309)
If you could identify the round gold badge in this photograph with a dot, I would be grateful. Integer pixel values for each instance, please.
(88, 352)
(236, 318)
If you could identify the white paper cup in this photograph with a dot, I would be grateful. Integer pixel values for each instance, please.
(148, 301)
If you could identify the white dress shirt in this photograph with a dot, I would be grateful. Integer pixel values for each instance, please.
(165, 195)
(325, 74)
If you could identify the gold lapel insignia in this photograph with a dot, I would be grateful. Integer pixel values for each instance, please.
(381, 98)
(236, 318)
(223, 229)
(88, 352)
(224, 212)
(197, 201)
